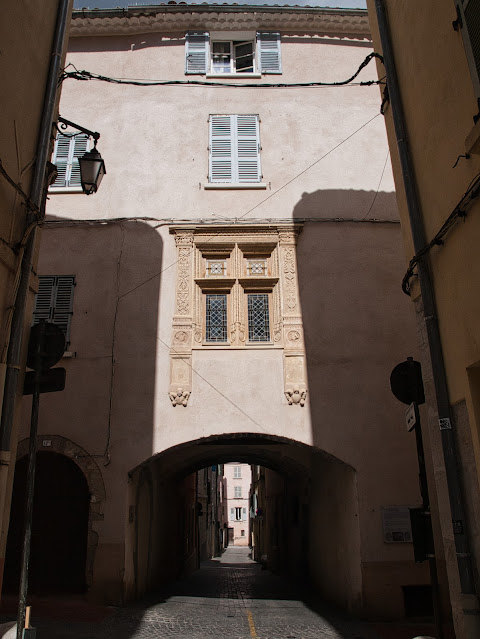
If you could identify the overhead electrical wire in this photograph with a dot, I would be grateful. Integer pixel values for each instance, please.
(458, 213)
(88, 75)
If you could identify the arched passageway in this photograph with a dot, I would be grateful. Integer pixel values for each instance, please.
(59, 528)
(320, 543)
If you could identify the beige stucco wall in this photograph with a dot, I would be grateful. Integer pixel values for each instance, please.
(357, 324)
(439, 103)
(23, 88)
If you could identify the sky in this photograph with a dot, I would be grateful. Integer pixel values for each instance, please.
(111, 4)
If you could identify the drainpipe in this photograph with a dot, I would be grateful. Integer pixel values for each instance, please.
(464, 559)
(37, 195)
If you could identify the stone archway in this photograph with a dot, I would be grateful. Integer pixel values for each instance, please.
(93, 477)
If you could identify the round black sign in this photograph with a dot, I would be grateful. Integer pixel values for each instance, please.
(52, 349)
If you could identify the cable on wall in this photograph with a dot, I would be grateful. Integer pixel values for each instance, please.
(458, 213)
(88, 75)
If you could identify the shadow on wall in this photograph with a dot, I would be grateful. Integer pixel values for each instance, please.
(349, 275)
(107, 405)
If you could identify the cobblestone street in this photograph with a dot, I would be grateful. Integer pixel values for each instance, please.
(228, 597)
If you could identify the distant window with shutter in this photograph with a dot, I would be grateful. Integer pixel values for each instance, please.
(234, 147)
(469, 10)
(238, 491)
(67, 150)
(260, 54)
(54, 301)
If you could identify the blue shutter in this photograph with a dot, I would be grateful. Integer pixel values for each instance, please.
(196, 53)
(248, 149)
(221, 148)
(268, 48)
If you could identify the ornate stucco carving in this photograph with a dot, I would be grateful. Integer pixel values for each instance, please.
(179, 397)
(275, 246)
(296, 396)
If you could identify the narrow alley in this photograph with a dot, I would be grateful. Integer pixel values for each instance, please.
(231, 596)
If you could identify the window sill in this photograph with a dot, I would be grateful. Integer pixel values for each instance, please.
(236, 185)
(65, 189)
(243, 76)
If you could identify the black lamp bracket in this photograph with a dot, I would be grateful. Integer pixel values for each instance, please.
(64, 124)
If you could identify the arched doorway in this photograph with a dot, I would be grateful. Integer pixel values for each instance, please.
(59, 529)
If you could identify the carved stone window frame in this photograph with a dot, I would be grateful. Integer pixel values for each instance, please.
(197, 245)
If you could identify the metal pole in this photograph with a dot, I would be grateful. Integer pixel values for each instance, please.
(422, 475)
(27, 537)
(464, 560)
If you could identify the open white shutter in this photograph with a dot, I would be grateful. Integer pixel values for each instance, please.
(244, 514)
(248, 148)
(196, 53)
(268, 47)
(221, 148)
(232, 514)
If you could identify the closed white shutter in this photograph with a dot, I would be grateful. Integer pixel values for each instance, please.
(196, 53)
(63, 304)
(234, 149)
(244, 514)
(268, 47)
(66, 152)
(79, 148)
(44, 300)
(232, 514)
(61, 157)
(248, 150)
(54, 301)
(221, 148)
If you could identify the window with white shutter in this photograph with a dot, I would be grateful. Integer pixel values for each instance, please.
(469, 19)
(196, 53)
(54, 301)
(244, 514)
(232, 514)
(268, 47)
(260, 54)
(67, 150)
(234, 149)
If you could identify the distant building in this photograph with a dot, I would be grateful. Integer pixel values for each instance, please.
(238, 479)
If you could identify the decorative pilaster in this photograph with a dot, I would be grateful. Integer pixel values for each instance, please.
(182, 335)
(295, 384)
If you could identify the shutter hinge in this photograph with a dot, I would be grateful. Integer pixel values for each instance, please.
(458, 23)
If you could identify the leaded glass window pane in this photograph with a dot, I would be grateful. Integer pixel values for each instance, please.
(216, 318)
(256, 267)
(216, 268)
(258, 320)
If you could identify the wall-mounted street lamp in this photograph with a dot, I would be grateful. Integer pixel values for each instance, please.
(92, 166)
